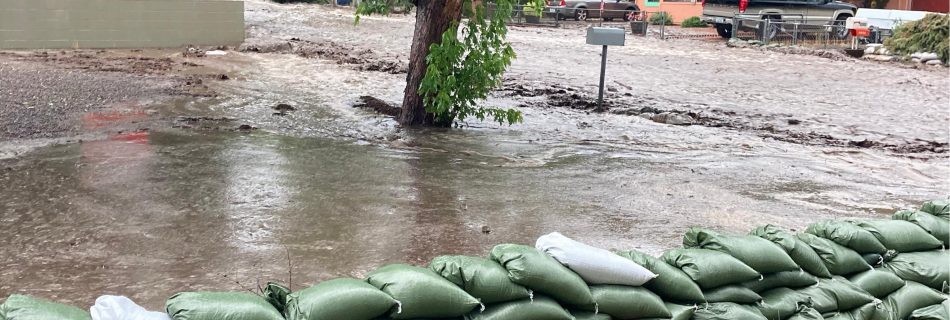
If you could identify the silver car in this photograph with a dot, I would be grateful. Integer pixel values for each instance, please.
(582, 10)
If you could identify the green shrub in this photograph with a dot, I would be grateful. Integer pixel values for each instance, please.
(661, 17)
(930, 34)
(693, 22)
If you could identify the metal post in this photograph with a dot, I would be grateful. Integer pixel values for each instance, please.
(795, 36)
(663, 27)
(603, 71)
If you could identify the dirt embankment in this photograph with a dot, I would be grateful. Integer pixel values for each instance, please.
(362, 59)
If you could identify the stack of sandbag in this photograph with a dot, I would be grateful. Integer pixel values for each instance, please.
(849, 252)
(920, 240)
(615, 283)
(782, 292)
(720, 265)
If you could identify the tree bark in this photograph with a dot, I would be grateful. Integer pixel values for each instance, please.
(433, 18)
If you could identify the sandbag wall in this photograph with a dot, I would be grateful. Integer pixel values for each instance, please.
(836, 269)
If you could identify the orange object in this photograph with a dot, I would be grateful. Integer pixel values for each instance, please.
(860, 32)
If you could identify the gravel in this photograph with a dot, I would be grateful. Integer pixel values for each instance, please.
(42, 101)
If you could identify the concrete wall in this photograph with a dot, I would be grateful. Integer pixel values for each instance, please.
(678, 10)
(55, 24)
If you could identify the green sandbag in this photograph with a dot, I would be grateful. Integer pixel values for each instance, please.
(847, 234)
(539, 272)
(937, 227)
(807, 313)
(587, 315)
(878, 282)
(935, 312)
(931, 268)
(21, 307)
(800, 252)
(343, 298)
(709, 268)
(482, 278)
(624, 302)
(733, 293)
(541, 308)
(220, 306)
(939, 208)
(781, 303)
(727, 311)
(901, 236)
(759, 254)
(421, 292)
(912, 296)
(680, 312)
(786, 279)
(838, 259)
(671, 284)
(836, 294)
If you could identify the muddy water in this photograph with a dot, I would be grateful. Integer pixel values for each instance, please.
(149, 214)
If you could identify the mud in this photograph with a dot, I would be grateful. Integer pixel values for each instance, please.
(361, 59)
(555, 95)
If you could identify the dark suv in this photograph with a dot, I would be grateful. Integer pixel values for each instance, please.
(583, 10)
(809, 14)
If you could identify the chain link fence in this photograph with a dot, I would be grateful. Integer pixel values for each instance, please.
(794, 31)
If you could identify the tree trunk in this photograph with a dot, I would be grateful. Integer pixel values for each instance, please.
(433, 17)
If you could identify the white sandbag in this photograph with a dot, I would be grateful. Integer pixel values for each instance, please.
(122, 308)
(594, 265)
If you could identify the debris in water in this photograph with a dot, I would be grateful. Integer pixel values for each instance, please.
(378, 105)
(283, 107)
(866, 143)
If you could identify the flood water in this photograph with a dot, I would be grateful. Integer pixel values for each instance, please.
(150, 214)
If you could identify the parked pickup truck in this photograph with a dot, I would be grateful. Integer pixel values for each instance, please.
(810, 14)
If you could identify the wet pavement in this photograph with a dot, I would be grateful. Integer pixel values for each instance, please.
(327, 190)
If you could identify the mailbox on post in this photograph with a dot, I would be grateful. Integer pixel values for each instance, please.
(604, 37)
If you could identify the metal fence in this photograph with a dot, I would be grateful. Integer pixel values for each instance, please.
(793, 31)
